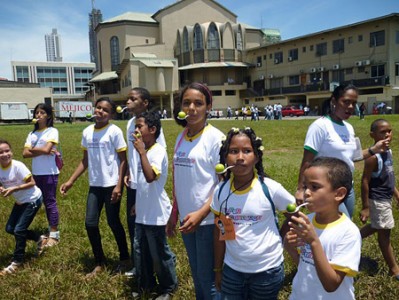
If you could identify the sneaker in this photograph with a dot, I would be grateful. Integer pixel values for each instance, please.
(136, 296)
(121, 267)
(51, 242)
(40, 244)
(11, 269)
(131, 273)
(97, 270)
(164, 297)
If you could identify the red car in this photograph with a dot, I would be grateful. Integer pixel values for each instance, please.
(292, 111)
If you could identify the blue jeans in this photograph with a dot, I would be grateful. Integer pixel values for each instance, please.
(255, 286)
(348, 206)
(131, 220)
(97, 197)
(199, 247)
(152, 254)
(20, 218)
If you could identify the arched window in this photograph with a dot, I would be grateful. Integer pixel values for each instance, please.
(114, 47)
(186, 47)
(198, 40)
(213, 37)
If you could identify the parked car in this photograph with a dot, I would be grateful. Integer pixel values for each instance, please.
(292, 111)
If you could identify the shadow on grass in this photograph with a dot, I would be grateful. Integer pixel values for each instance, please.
(368, 266)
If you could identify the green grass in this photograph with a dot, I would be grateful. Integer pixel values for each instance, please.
(58, 274)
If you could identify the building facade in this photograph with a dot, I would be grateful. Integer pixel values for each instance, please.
(68, 81)
(95, 17)
(53, 46)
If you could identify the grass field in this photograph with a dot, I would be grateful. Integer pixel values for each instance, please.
(58, 274)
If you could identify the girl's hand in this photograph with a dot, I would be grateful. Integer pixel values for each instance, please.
(218, 280)
(191, 222)
(116, 195)
(133, 210)
(65, 187)
(126, 180)
(8, 191)
(364, 215)
(302, 228)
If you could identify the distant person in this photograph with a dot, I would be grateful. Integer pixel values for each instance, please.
(152, 210)
(362, 110)
(306, 110)
(378, 188)
(325, 245)
(196, 154)
(332, 136)
(104, 155)
(70, 117)
(17, 181)
(164, 114)
(41, 145)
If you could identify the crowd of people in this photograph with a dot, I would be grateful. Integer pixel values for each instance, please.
(227, 220)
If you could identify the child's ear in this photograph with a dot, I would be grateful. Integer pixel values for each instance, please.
(340, 193)
(152, 129)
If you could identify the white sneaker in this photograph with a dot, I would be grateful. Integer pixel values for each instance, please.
(131, 273)
(11, 269)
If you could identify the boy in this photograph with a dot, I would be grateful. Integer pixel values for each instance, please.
(139, 101)
(329, 243)
(152, 209)
(378, 187)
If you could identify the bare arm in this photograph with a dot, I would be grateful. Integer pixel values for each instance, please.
(30, 152)
(219, 251)
(306, 159)
(82, 166)
(117, 192)
(148, 172)
(29, 182)
(370, 164)
(379, 147)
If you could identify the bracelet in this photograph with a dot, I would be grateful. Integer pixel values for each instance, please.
(217, 269)
(371, 152)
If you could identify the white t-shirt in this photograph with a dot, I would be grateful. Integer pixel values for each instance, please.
(194, 164)
(257, 246)
(43, 164)
(326, 137)
(153, 205)
(102, 146)
(133, 157)
(341, 242)
(16, 174)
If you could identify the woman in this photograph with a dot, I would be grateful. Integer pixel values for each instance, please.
(194, 178)
(332, 136)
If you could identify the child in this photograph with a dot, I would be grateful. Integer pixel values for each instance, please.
(378, 187)
(16, 180)
(329, 243)
(139, 101)
(248, 249)
(196, 153)
(104, 154)
(40, 145)
(152, 210)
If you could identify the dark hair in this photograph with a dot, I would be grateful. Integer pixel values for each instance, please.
(152, 119)
(106, 99)
(338, 92)
(144, 95)
(49, 111)
(5, 142)
(338, 172)
(376, 123)
(256, 144)
(202, 88)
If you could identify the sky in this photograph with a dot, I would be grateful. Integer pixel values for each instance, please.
(23, 23)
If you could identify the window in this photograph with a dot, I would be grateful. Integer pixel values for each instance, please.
(198, 41)
(239, 40)
(349, 71)
(213, 39)
(350, 40)
(339, 46)
(294, 80)
(293, 54)
(217, 93)
(377, 38)
(321, 49)
(259, 61)
(311, 48)
(397, 69)
(271, 55)
(397, 37)
(377, 71)
(230, 92)
(360, 38)
(264, 57)
(186, 47)
(114, 46)
(304, 49)
(278, 57)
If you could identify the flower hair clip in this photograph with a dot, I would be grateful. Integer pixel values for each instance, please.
(247, 128)
(235, 129)
(261, 148)
(258, 138)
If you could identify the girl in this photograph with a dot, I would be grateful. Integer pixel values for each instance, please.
(16, 180)
(40, 145)
(195, 155)
(104, 154)
(248, 246)
(332, 136)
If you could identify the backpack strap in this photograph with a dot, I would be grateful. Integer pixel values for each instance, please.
(267, 194)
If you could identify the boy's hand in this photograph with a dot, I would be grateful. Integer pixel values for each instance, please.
(364, 215)
(8, 191)
(138, 142)
(191, 222)
(303, 228)
(65, 187)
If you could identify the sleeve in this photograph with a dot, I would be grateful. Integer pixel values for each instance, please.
(23, 171)
(157, 160)
(215, 150)
(314, 138)
(118, 140)
(161, 139)
(346, 257)
(280, 196)
(28, 142)
(53, 136)
(84, 140)
(215, 206)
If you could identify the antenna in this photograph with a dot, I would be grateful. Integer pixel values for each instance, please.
(92, 4)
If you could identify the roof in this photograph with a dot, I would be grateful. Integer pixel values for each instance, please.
(104, 76)
(156, 63)
(131, 16)
(215, 65)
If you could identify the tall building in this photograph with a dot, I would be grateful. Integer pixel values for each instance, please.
(53, 46)
(95, 17)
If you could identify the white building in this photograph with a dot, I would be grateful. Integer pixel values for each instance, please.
(53, 46)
